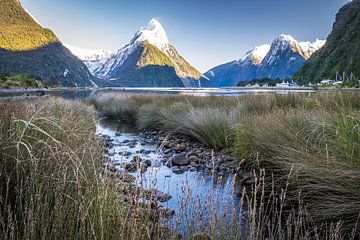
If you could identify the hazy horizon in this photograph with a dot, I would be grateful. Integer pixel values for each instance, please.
(206, 33)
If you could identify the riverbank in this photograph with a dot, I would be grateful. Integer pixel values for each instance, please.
(56, 181)
(315, 137)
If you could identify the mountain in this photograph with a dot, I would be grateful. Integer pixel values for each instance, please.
(93, 59)
(284, 57)
(26, 47)
(341, 52)
(230, 74)
(148, 60)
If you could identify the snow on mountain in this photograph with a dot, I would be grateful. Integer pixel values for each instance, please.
(256, 55)
(93, 59)
(87, 54)
(154, 35)
(309, 48)
(281, 59)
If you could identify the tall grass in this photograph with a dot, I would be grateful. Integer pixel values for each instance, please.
(316, 135)
(52, 184)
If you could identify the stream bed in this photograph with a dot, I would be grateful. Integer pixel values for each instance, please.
(201, 192)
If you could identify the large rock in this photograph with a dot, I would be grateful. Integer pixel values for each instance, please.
(180, 160)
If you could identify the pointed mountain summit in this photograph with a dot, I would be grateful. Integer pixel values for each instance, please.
(28, 48)
(281, 59)
(148, 60)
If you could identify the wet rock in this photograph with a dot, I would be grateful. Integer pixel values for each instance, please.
(193, 164)
(126, 141)
(132, 145)
(127, 154)
(125, 177)
(130, 167)
(158, 195)
(184, 168)
(180, 160)
(176, 170)
(148, 162)
(200, 167)
(117, 134)
(193, 159)
(180, 147)
(111, 168)
(193, 169)
(147, 152)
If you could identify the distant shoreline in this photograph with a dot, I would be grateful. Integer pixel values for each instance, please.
(37, 92)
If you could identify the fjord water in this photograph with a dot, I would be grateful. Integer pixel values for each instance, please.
(82, 93)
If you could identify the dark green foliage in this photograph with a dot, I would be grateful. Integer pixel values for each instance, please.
(27, 48)
(261, 82)
(19, 80)
(341, 53)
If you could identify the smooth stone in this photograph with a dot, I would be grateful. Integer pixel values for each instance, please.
(180, 147)
(176, 170)
(193, 169)
(125, 177)
(127, 154)
(180, 159)
(193, 159)
(148, 162)
(130, 167)
(200, 167)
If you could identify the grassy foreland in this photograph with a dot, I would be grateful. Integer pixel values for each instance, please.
(53, 184)
(315, 137)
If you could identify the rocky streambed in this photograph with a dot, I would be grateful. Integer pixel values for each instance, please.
(171, 170)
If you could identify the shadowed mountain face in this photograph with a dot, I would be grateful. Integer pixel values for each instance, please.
(26, 47)
(341, 51)
(154, 70)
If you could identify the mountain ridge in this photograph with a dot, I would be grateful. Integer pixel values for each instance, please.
(341, 52)
(146, 38)
(281, 59)
(28, 48)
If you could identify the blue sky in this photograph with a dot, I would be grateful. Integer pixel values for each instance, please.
(206, 32)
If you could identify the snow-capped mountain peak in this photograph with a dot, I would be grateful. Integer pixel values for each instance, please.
(256, 55)
(308, 48)
(154, 33)
(285, 38)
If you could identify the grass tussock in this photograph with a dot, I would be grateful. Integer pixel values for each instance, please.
(316, 135)
(52, 184)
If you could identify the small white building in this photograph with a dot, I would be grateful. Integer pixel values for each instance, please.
(327, 82)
